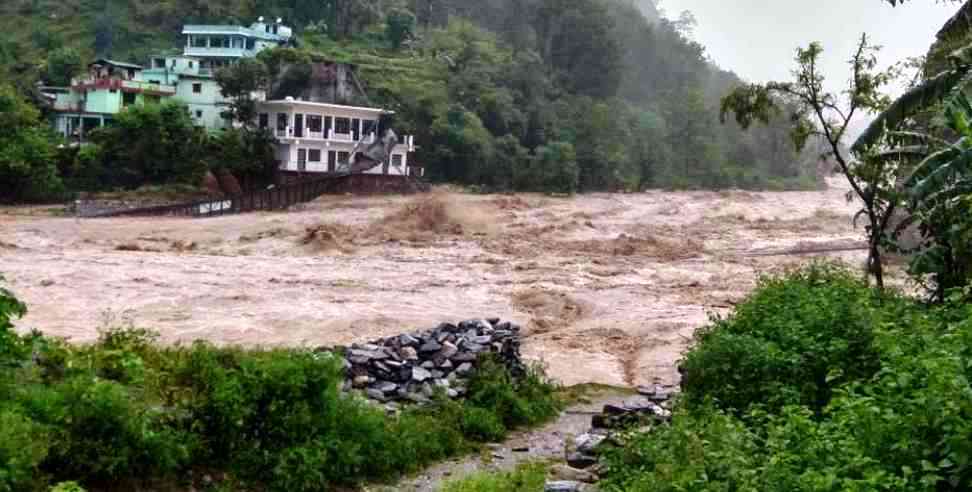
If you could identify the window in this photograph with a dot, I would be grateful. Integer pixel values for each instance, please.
(368, 127)
(397, 160)
(190, 64)
(343, 157)
(328, 122)
(314, 155)
(314, 123)
(198, 113)
(159, 63)
(198, 41)
(331, 161)
(128, 98)
(264, 120)
(197, 88)
(113, 91)
(342, 125)
(281, 121)
(154, 82)
(249, 44)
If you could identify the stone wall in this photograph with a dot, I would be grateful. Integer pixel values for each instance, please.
(412, 367)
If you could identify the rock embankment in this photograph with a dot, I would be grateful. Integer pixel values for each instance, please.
(412, 367)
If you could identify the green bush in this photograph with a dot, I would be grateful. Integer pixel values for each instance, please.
(892, 409)
(23, 446)
(104, 431)
(796, 337)
(482, 425)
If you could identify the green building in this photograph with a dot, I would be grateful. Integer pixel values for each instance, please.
(94, 98)
(109, 86)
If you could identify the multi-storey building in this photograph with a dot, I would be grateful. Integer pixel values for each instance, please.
(318, 137)
(312, 136)
(94, 98)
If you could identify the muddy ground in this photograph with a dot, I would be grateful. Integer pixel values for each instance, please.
(611, 287)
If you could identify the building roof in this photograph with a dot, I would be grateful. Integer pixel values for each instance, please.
(231, 30)
(105, 61)
(289, 102)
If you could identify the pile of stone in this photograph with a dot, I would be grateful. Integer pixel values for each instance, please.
(412, 367)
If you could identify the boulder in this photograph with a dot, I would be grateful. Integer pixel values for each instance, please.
(563, 486)
(420, 374)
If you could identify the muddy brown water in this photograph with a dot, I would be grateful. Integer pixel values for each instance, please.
(611, 287)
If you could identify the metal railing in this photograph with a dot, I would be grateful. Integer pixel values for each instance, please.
(273, 198)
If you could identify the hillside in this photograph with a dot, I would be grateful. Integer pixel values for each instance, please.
(505, 94)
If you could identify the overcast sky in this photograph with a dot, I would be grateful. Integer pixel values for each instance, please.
(757, 38)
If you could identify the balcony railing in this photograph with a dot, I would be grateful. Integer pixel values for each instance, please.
(126, 85)
(212, 52)
(407, 141)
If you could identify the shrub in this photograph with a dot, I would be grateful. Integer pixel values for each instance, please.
(104, 431)
(23, 446)
(482, 425)
(796, 337)
(897, 412)
(12, 348)
(516, 401)
(703, 450)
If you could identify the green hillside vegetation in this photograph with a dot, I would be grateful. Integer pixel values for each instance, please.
(503, 94)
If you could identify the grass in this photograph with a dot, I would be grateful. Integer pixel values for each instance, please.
(528, 477)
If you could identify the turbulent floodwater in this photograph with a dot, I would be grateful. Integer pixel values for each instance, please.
(611, 287)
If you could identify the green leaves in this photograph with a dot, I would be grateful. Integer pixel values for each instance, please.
(897, 418)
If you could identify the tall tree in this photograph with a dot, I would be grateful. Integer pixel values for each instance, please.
(825, 115)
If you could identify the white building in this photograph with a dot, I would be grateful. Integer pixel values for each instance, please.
(322, 137)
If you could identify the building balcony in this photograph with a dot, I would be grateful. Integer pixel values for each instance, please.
(91, 83)
(208, 52)
(288, 133)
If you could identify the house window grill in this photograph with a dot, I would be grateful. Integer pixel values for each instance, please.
(342, 125)
(314, 122)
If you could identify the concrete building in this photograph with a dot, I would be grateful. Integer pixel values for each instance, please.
(193, 85)
(314, 134)
(206, 49)
(94, 98)
(319, 137)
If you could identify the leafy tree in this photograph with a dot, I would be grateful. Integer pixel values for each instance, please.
(27, 169)
(62, 65)
(238, 82)
(823, 114)
(938, 200)
(399, 26)
(152, 144)
(247, 153)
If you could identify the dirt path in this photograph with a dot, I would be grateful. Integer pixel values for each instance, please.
(611, 286)
(546, 443)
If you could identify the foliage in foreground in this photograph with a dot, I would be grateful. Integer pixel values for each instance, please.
(817, 384)
(128, 412)
(525, 478)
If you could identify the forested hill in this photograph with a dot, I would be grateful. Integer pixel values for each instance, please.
(526, 94)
